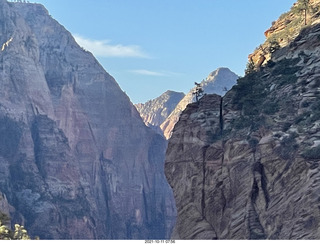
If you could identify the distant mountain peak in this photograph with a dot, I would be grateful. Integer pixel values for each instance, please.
(217, 82)
(218, 71)
(155, 111)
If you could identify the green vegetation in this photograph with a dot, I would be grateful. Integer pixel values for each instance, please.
(316, 84)
(288, 146)
(302, 118)
(305, 104)
(241, 123)
(198, 92)
(253, 142)
(303, 8)
(294, 21)
(19, 232)
(312, 153)
(271, 64)
(253, 97)
(253, 122)
(286, 69)
(292, 29)
(249, 93)
(271, 107)
(250, 67)
(286, 126)
(273, 46)
(309, 117)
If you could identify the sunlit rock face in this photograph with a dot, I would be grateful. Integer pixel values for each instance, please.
(76, 160)
(154, 112)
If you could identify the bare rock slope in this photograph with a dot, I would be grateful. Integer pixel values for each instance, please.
(246, 165)
(155, 111)
(76, 160)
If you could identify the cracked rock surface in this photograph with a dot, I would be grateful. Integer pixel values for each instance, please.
(246, 166)
(76, 160)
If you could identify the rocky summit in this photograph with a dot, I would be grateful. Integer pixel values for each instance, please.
(246, 165)
(217, 82)
(76, 160)
(154, 112)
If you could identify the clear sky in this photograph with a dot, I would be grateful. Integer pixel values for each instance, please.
(150, 46)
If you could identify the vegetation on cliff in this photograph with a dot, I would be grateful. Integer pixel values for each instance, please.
(19, 232)
(246, 165)
(302, 14)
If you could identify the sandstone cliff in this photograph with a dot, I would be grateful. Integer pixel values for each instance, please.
(285, 29)
(218, 82)
(154, 112)
(76, 159)
(246, 166)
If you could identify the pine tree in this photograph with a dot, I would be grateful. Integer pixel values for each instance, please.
(302, 6)
(250, 67)
(199, 91)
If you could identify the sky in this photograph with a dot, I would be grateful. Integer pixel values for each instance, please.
(151, 46)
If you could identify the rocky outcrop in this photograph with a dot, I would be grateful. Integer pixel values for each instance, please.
(284, 30)
(4, 207)
(76, 160)
(218, 82)
(246, 166)
(154, 112)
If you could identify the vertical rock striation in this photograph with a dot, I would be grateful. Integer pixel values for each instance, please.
(246, 166)
(76, 160)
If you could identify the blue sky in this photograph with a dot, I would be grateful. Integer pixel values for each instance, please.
(150, 46)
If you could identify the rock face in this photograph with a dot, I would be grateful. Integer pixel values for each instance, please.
(218, 82)
(285, 30)
(76, 160)
(4, 205)
(154, 112)
(246, 166)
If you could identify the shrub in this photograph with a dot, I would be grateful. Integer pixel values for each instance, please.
(286, 69)
(286, 126)
(250, 93)
(305, 104)
(250, 68)
(314, 117)
(271, 64)
(242, 122)
(288, 146)
(316, 106)
(273, 46)
(302, 117)
(316, 84)
(271, 108)
(253, 142)
(19, 232)
(312, 153)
